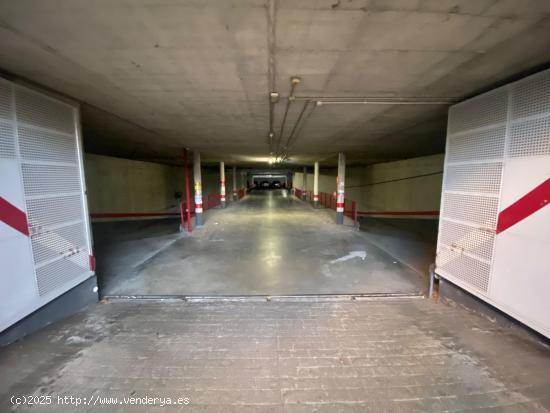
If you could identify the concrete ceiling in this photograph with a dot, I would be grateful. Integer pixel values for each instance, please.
(154, 76)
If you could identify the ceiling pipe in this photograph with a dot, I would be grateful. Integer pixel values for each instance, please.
(293, 131)
(320, 101)
(271, 134)
(373, 100)
(271, 11)
(294, 81)
(297, 127)
(367, 100)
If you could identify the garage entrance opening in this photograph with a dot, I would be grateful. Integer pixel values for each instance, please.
(274, 205)
(269, 243)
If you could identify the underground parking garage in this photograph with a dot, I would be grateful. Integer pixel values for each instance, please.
(264, 205)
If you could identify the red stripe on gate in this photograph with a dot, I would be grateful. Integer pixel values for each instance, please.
(527, 205)
(132, 214)
(339, 205)
(13, 216)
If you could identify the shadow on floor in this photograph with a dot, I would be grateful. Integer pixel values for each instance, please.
(121, 247)
(411, 241)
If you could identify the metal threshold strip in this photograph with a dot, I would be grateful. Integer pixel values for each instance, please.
(264, 297)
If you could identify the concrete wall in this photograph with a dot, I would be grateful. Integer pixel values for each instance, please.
(411, 185)
(117, 185)
(327, 180)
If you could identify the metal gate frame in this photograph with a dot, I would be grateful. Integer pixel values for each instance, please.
(49, 251)
(495, 221)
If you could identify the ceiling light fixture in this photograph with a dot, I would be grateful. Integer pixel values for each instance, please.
(274, 97)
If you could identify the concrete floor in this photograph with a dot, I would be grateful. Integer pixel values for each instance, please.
(269, 243)
(383, 355)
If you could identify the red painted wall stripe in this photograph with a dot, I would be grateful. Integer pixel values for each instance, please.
(398, 213)
(13, 216)
(527, 205)
(133, 214)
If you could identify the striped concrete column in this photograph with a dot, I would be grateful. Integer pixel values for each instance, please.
(235, 195)
(198, 188)
(304, 184)
(222, 184)
(316, 185)
(340, 188)
(243, 181)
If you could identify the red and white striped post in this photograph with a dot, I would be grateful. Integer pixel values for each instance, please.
(340, 188)
(304, 184)
(243, 182)
(198, 187)
(235, 194)
(316, 185)
(222, 184)
(187, 194)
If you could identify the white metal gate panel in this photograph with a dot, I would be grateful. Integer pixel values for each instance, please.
(494, 231)
(44, 227)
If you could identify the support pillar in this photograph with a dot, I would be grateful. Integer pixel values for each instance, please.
(243, 181)
(222, 184)
(235, 194)
(186, 214)
(316, 185)
(198, 188)
(304, 184)
(340, 188)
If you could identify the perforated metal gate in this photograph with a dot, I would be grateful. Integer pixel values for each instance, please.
(498, 160)
(43, 182)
